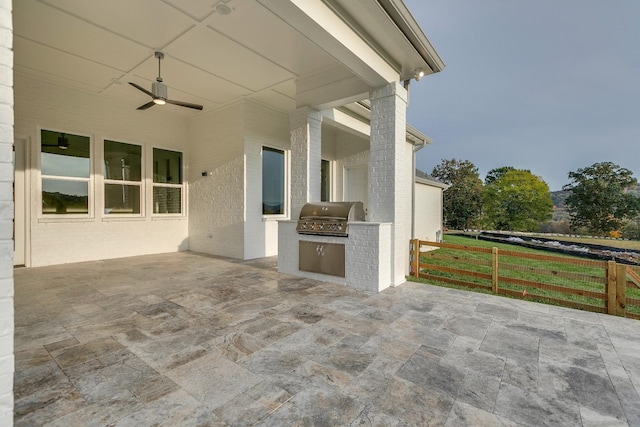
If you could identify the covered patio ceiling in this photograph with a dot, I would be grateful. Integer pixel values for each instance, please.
(279, 53)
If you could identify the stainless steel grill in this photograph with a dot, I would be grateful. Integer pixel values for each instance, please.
(329, 218)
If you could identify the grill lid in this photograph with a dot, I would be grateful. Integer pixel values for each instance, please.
(333, 211)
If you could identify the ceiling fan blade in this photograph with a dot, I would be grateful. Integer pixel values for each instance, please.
(147, 105)
(184, 104)
(141, 89)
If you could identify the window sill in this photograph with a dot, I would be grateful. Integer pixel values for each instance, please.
(274, 218)
(122, 218)
(170, 217)
(63, 219)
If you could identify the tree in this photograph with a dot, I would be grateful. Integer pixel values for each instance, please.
(462, 200)
(516, 200)
(497, 173)
(600, 199)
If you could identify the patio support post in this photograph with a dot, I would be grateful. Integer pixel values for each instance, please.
(621, 289)
(390, 172)
(612, 281)
(6, 215)
(306, 151)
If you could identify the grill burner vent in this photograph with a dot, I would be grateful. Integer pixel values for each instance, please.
(329, 218)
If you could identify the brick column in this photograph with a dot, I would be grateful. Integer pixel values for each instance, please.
(305, 158)
(6, 215)
(390, 173)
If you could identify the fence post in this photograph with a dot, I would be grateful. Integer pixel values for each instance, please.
(611, 287)
(621, 290)
(415, 261)
(494, 270)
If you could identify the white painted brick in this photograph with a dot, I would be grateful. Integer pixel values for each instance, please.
(40, 104)
(306, 153)
(6, 134)
(6, 195)
(226, 206)
(6, 77)
(390, 178)
(368, 257)
(265, 127)
(216, 201)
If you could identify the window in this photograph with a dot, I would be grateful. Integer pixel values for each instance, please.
(167, 182)
(325, 181)
(272, 181)
(65, 170)
(122, 178)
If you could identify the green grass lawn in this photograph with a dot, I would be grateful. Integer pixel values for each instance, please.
(588, 276)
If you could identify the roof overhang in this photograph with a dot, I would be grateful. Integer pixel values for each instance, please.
(374, 42)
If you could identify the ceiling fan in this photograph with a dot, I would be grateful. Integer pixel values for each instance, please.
(63, 142)
(159, 92)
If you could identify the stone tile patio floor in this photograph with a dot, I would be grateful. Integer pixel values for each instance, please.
(184, 339)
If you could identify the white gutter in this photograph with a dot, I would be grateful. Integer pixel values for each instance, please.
(404, 20)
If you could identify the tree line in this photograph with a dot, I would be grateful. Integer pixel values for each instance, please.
(599, 200)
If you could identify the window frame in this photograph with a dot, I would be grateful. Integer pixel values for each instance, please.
(139, 184)
(181, 186)
(285, 183)
(90, 180)
(329, 164)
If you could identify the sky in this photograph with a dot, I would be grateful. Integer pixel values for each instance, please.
(546, 85)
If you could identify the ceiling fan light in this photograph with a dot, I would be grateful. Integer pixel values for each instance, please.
(63, 143)
(159, 101)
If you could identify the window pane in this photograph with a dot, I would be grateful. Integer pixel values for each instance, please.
(64, 154)
(272, 181)
(325, 181)
(65, 197)
(167, 166)
(121, 199)
(122, 161)
(167, 200)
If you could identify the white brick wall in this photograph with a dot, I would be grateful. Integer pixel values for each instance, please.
(62, 240)
(390, 174)
(367, 253)
(226, 206)
(270, 128)
(216, 201)
(6, 215)
(306, 148)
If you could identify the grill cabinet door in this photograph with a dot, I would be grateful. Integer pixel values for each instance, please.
(323, 258)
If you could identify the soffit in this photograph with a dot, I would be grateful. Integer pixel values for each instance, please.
(210, 58)
(392, 32)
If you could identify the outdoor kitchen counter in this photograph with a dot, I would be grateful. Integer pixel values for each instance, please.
(367, 254)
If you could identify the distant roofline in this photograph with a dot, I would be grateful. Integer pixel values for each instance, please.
(425, 179)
